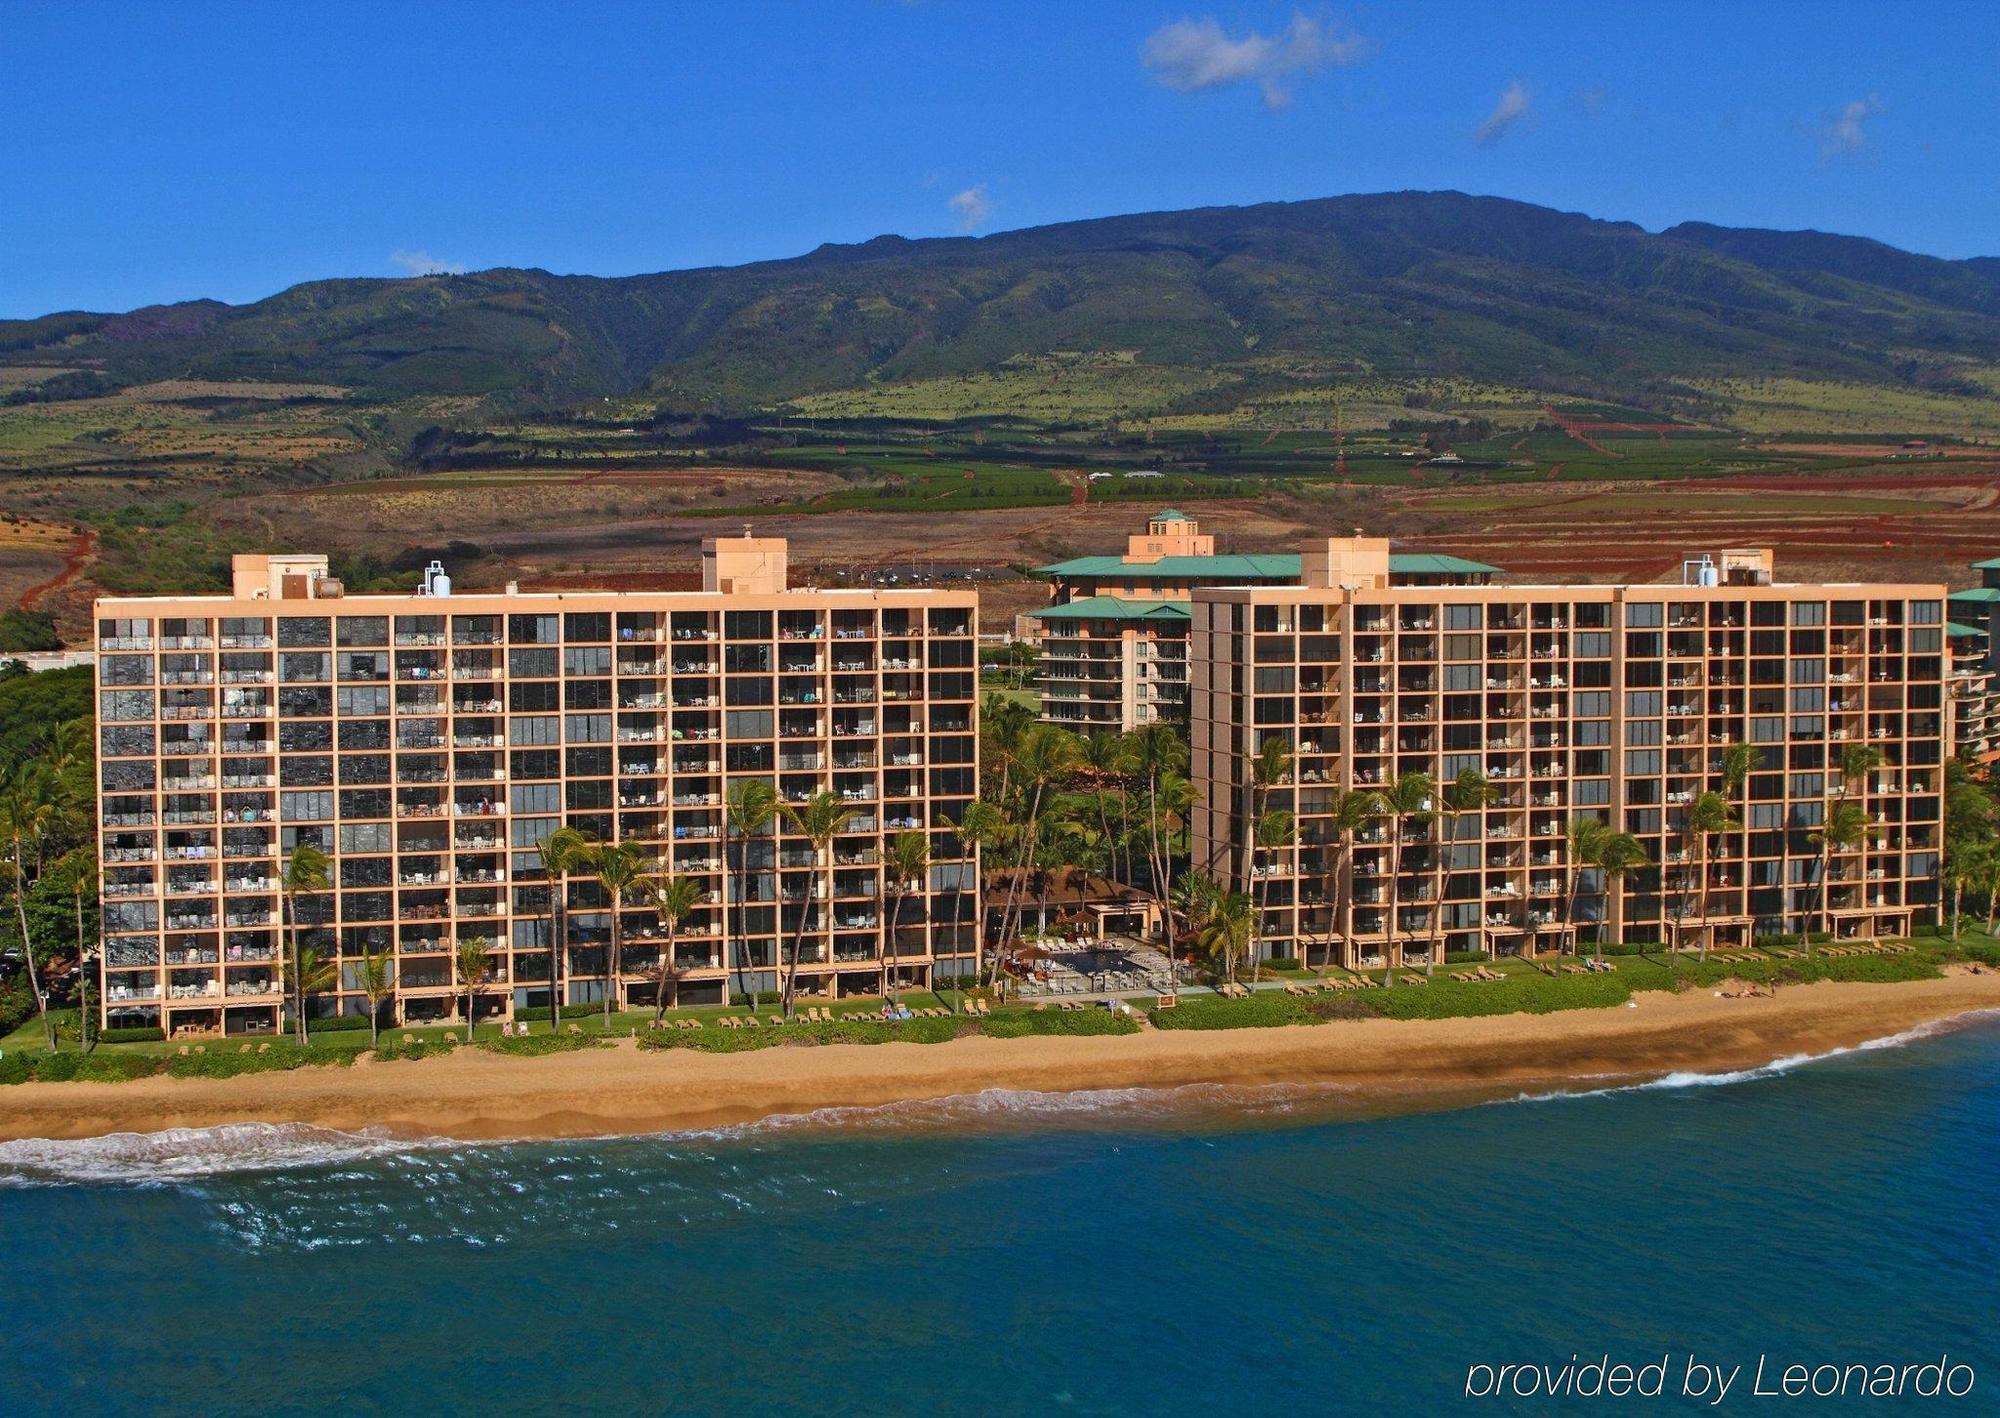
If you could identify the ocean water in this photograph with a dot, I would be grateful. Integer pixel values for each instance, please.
(1182, 1251)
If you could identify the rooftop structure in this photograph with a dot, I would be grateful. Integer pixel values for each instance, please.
(1616, 703)
(427, 743)
(1114, 635)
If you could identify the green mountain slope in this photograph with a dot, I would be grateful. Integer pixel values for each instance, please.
(1396, 285)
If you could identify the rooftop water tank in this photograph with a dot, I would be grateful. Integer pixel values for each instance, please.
(436, 583)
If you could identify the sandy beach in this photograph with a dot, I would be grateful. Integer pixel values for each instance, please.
(623, 1089)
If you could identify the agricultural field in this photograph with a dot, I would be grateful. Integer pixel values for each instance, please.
(1060, 388)
(1798, 405)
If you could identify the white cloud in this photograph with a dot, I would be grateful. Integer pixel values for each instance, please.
(422, 263)
(1189, 56)
(972, 207)
(1514, 102)
(1843, 135)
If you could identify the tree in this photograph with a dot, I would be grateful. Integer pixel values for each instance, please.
(561, 852)
(673, 898)
(1351, 811)
(1969, 866)
(619, 867)
(1406, 801)
(820, 819)
(908, 863)
(1708, 817)
(315, 973)
(27, 812)
(749, 807)
(77, 872)
(1227, 929)
(981, 829)
(1844, 827)
(1472, 791)
(470, 957)
(306, 871)
(1277, 829)
(1158, 754)
(1617, 854)
(1106, 758)
(1585, 842)
(377, 983)
(1044, 757)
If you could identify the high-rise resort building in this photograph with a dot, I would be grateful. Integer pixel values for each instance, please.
(1114, 636)
(1618, 702)
(427, 742)
(1974, 633)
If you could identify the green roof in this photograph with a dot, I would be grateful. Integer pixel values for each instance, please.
(1212, 568)
(1274, 566)
(1431, 563)
(1172, 514)
(1977, 593)
(1990, 564)
(1963, 632)
(1114, 608)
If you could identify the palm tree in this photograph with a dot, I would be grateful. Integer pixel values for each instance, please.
(1407, 800)
(1195, 896)
(77, 870)
(1158, 753)
(561, 852)
(980, 829)
(1174, 797)
(1350, 812)
(1106, 757)
(1585, 840)
(306, 871)
(376, 986)
(1617, 854)
(1472, 791)
(1708, 816)
(1844, 827)
(1989, 882)
(748, 808)
(26, 813)
(1970, 865)
(908, 862)
(672, 897)
(1045, 756)
(820, 819)
(314, 973)
(472, 963)
(1277, 830)
(619, 867)
(1227, 930)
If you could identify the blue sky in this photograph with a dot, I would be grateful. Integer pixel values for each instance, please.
(159, 152)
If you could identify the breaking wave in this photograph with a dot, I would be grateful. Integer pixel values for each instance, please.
(1691, 1078)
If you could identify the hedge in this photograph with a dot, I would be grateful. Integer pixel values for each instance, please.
(133, 1034)
(337, 1024)
(224, 1062)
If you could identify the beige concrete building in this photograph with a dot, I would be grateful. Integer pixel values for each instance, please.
(1615, 702)
(427, 742)
(1114, 636)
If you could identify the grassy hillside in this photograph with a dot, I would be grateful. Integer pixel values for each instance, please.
(1165, 314)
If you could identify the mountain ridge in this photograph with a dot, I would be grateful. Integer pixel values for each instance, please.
(1400, 285)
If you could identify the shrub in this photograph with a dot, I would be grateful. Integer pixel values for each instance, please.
(337, 1024)
(17, 1067)
(1263, 1010)
(1464, 957)
(1282, 962)
(1055, 1021)
(1520, 994)
(537, 1045)
(133, 1034)
(223, 1061)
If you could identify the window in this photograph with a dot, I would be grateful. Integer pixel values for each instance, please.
(1642, 761)
(531, 664)
(1594, 732)
(125, 704)
(367, 837)
(535, 798)
(1461, 647)
(363, 702)
(535, 730)
(363, 630)
(587, 728)
(304, 666)
(1591, 792)
(534, 629)
(1592, 645)
(534, 697)
(587, 625)
(1464, 617)
(1643, 731)
(1808, 612)
(303, 630)
(748, 723)
(299, 807)
(587, 660)
(1926, 612)
(1644, 704)
(1592, 704)
(1644, 614)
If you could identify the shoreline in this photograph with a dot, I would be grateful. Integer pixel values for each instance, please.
(624, 1090)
